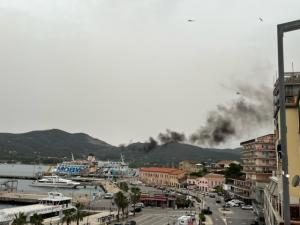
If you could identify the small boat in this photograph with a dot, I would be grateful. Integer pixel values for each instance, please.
(54, 181)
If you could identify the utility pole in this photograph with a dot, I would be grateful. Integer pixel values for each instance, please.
(281, 29)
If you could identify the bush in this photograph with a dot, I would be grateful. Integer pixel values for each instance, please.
(202, 217)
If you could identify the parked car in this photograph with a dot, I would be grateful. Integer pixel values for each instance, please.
(226, 205)
(212, 196)
(131, 222)
(218, 200)
(138, 209)
(138, 205)
(247, 207)
(108, 195)
(232, 204)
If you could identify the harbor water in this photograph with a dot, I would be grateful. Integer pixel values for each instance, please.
(30, 170)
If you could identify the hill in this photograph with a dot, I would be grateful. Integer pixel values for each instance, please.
(50, 146)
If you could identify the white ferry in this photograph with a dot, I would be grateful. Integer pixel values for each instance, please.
(54, 181)
(115, 169)
(52, 206)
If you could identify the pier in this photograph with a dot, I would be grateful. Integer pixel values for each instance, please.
(14, 177)
(20, 198)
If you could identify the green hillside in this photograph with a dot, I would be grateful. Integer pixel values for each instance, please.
(50, 146)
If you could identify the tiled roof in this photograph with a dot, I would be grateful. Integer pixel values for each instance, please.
(172, 171)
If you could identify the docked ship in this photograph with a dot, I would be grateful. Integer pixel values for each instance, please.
(114, 168)
(50, 208)
(76, 167)
(54, 181)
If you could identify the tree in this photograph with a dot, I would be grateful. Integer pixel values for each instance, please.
(78, 215)
(36, 219)
(120, 199)
(20, 219)
(135, 197)
(68, 217)
(200, 173)
(234, 171)
(124, 205)
(123, 186)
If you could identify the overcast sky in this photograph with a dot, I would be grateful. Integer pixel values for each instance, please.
(124, 70)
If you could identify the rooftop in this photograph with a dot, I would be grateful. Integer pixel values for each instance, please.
(214, 175)
(162, 170)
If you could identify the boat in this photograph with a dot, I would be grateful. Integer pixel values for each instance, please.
(52, 207)
(76, 167)
(54, 181)
(113, 169)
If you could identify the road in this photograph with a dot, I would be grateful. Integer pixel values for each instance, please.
(235, 215)
(158, 216)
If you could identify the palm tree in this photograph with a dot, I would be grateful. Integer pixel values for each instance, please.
(20, 219)
(135, 197)
(68, 217)
(78, 216)
(36, 219)
(124, 205)
(119, 200)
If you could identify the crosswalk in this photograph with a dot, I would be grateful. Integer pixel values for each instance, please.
(158, 219)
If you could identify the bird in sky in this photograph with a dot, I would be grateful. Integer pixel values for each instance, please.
(260, 19)
(190, 20)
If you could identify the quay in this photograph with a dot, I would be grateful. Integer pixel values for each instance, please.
(20, 198)
(16, 177)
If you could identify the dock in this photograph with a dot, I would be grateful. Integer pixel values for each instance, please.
(20, 198)
(17, 177)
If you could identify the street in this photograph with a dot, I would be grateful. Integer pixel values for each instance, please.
(235, 215)
(158, 216)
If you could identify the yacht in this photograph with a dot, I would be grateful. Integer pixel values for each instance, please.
(54, 181)
(50, 208)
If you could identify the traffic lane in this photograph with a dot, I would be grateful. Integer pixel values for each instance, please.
(239, 221)
(158, 216)
(240, 216)
(217, 216)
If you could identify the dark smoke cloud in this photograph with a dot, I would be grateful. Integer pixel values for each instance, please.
(150, 145)
(252, 110)
(171, 137)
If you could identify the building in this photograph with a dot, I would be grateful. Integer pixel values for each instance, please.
(259, 160)
(158, 200)
(273, 193)
(159, 176)
(223, 164)
(206, 183)
(190, 166)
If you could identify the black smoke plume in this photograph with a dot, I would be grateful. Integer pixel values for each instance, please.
(171, 137)
(150, 145)
(252, 110)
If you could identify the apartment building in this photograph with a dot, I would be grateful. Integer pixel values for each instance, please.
(159, 176)
(273, 193)
(259, 161)
(206, 183)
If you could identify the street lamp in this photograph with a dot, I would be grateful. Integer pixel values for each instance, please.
(281, 29)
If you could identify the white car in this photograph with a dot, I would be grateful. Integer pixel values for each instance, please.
(109, 196)
(232, 204)
(247, 207)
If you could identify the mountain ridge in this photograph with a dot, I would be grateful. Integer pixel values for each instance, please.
(53, 145)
